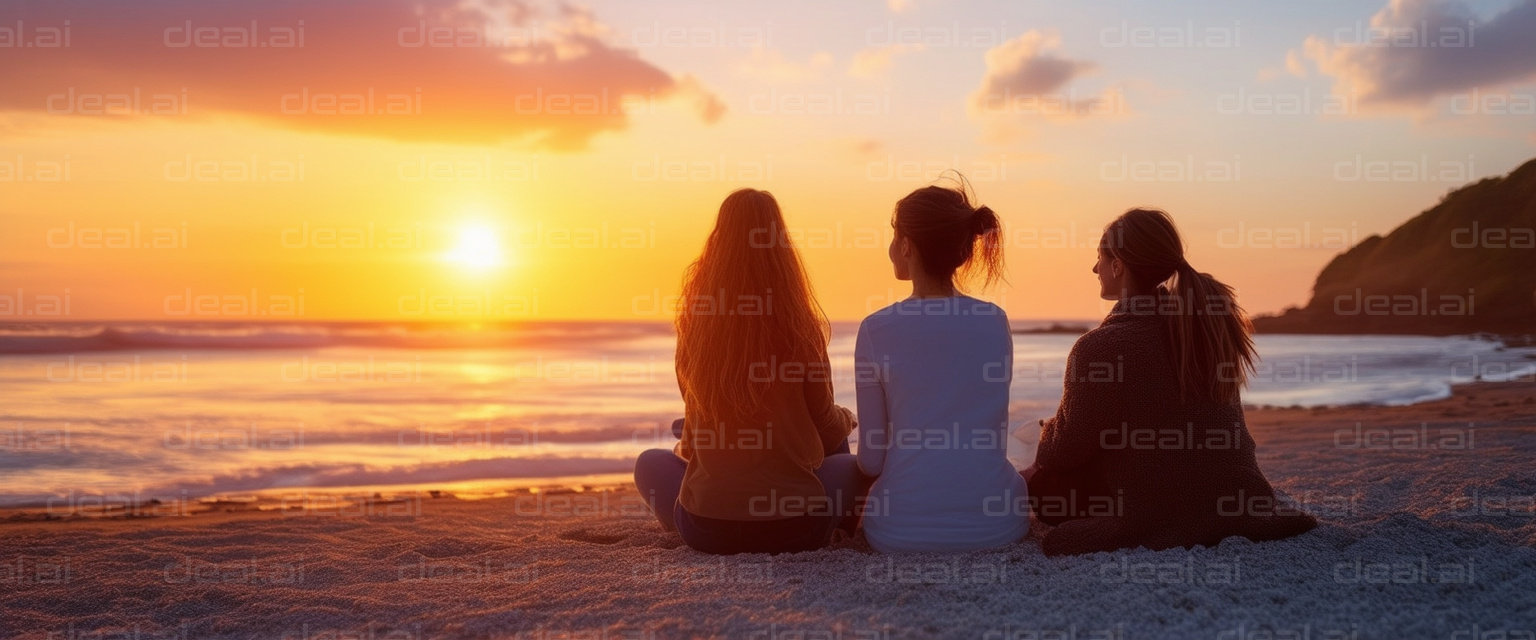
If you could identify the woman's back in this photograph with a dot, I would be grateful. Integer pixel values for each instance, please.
(1168, 472)
(762, 464)
(762, 467)
(933, 377)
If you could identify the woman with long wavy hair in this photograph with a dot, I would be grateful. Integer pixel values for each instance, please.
(1149, 447)
(762, 465)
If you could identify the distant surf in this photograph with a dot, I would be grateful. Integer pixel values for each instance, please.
(185, 409)
(97, 337)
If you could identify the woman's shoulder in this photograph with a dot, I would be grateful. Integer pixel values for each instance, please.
(983, 308)
(1112, 336)
(959, 308)
(875, 322)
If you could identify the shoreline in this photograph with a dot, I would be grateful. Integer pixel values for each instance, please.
(1514, 396)
(362, 497)
(1429, 506)
(333, 498)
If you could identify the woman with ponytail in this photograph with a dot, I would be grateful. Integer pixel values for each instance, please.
(1149, 447)
(932, 373)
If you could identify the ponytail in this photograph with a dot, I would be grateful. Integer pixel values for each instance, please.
(987, 255)
(1210, 339)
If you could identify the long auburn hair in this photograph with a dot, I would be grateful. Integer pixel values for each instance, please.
(746, 300)
(1209, 336)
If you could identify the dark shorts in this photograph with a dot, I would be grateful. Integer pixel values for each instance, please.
(726, 537)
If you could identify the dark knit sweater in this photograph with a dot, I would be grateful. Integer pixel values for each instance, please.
(1124, 463)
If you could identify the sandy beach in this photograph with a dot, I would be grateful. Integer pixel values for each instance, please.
(1428, 531)
(351, 319)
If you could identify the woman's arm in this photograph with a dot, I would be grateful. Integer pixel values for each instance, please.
(833, 423)
(874, 424)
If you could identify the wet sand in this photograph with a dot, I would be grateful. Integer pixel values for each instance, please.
(1429, 531)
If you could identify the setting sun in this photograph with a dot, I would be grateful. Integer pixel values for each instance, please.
(543, 319)
(478, 248)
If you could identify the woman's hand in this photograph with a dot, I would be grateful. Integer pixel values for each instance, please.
(853, 418)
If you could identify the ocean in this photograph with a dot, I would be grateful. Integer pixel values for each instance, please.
(97, 415)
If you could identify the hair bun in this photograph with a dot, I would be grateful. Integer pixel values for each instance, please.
(983, 220)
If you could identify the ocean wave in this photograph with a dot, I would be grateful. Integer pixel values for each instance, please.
(324, 476)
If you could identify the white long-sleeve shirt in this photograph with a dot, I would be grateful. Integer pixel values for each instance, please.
(932, 378)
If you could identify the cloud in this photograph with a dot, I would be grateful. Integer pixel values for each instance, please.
(1025, 79)
(866, 146)
(1023, 66)
(412, 70)
(1294, 66)
(709, 107)
(858, 150)
(770, 65)
(874, 61)
(1416, 50)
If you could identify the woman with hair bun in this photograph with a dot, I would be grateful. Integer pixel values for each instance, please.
(1149, 447)
(932, 373)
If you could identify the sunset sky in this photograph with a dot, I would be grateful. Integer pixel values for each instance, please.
(566, 161)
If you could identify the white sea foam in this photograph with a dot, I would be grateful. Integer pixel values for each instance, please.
(203, 409)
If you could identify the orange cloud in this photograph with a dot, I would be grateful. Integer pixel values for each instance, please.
(429, 70)
(874, 61)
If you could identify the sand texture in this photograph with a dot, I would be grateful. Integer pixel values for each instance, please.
(1428, 532)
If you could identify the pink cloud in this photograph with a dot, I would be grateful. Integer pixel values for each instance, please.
(429, 70)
